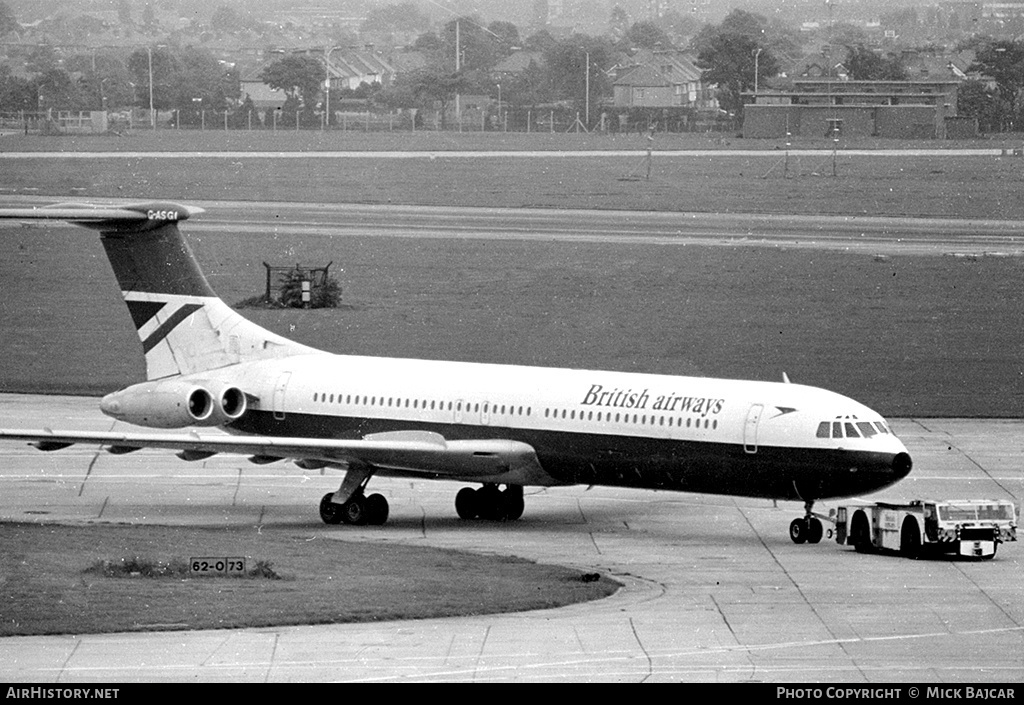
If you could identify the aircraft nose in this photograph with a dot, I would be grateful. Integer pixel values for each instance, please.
(902, 464)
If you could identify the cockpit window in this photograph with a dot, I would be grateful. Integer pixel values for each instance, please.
(851, 428)
(866, 429)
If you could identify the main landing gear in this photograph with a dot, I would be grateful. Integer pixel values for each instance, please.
(358, 510)
(490, 503)
(350, 505)
(807, 529)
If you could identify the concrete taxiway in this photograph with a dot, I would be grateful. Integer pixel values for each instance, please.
(876, 235)
(714, 589)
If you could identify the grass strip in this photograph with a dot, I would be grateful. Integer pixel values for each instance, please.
(57, 579)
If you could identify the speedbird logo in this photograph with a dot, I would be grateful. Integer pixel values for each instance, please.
(632, 399)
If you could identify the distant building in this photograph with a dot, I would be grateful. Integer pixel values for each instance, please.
(822, 99)
(515, 64)
(660, 79)
(263, 96)
(1003, 13)
(353, 69)
(346, 69)
(818, 66)
(822, 107)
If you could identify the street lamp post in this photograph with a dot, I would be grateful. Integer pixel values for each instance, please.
(587, 107)
(757, 53)
(327, 84)
(152, 113)
(458, 68)
(152, 116)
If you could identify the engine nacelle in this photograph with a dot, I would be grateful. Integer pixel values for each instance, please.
(176, 403)
(229, 403)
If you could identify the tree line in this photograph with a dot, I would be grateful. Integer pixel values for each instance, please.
(570, 71)
(743, 51)
(184, 78)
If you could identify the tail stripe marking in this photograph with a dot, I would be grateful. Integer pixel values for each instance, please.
(143, 311)
(167, 326)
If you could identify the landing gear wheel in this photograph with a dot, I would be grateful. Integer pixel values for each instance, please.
(489, 503)
(466, 505)
(329, 511)
(808, 528)
(814, 530)
(512, 498)
(354, 511)
(376, 509)
(798, 530)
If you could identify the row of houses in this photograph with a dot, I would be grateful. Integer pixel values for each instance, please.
(644, 79)
(649, 80)
(343, 68)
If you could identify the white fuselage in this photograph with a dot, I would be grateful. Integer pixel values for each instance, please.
(587, 426)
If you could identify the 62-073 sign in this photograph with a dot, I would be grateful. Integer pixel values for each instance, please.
(217, 566)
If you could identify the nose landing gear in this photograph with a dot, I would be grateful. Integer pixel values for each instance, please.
(806, 529)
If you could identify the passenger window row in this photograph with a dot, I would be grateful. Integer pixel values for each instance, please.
(639, 419)
(851, 429)
(510, 410)
(421, 404)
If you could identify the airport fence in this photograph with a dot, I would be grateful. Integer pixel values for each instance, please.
(55, 121)
(558, 119)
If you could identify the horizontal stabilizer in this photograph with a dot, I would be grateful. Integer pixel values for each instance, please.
(135, 217)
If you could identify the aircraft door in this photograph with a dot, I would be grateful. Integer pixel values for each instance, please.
(279, 391)
(750, 428)
(471, 412)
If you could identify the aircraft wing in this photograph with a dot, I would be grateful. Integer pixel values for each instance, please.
(413, 453)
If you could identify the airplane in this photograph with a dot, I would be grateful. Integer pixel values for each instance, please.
(502, 427)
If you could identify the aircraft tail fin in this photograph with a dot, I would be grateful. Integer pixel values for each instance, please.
(182, 325)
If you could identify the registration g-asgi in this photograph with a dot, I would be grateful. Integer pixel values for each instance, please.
(162, 215)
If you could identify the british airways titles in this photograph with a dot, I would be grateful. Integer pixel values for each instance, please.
(632, 399)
